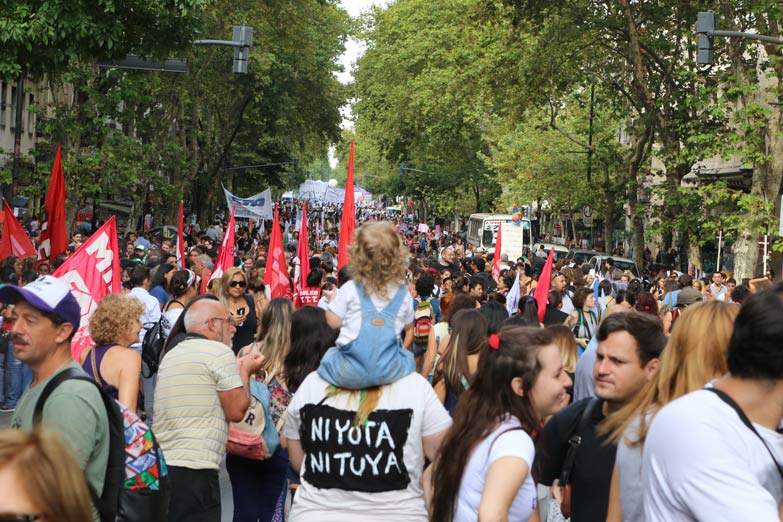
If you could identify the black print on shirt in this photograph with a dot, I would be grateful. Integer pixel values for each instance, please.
(364, 458)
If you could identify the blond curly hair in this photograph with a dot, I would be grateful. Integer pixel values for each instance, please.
(114, 317)
(378, 257)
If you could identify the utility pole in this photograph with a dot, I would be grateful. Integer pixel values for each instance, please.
(17, 135)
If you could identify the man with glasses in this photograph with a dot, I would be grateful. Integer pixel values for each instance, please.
(201, 388)
(446, 261)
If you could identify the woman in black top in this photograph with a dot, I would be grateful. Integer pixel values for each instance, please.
(233, 294)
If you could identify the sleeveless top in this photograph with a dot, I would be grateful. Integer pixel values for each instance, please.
(586, 325)
(95, 371)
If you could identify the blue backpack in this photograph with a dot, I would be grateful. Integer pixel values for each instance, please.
(251, 438)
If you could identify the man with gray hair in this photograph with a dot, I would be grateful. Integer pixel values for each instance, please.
(201, 388)
(202, 266)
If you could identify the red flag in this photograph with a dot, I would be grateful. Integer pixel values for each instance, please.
(92, 272)
(496, 256)
(348, 223)
(54, 236)
(302, 252)
(225, 258)
(181, 237)
(276, 274)
(15, 241)
(541, 294)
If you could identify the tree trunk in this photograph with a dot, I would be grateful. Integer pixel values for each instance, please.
(611, 208)
(746, 253)
(573, 228)
(694, 251)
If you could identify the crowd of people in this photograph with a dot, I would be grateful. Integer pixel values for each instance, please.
(405, 385)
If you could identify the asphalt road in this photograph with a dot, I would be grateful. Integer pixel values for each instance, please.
(225, 485)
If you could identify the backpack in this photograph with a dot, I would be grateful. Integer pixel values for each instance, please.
(153, 344)
(136, 486)
(255, 437)
(422, 322)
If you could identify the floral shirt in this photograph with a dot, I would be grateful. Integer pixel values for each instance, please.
(280, 397)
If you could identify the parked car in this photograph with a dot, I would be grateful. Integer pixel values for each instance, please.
(560, 250)
(619, 262)
(165, 232)
(578, 255)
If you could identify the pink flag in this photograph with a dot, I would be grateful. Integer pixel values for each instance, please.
(276, 274)
(348, 223)
(225, 258)
(15, 241)
(181, 237)
(92, 272)
(541, 293)
(54, 237)
(496, 257)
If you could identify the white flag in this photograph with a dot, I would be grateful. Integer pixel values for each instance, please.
(512, 298)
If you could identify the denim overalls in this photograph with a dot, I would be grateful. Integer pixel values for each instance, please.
(376, 356)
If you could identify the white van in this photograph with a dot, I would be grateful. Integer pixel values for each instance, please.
(483, 233)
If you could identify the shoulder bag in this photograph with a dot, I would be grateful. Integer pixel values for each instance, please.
(573, 445)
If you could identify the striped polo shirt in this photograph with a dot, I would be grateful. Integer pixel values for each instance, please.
(190, 424)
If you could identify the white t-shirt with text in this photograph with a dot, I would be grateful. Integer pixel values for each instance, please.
(700, 462)
(372, 472)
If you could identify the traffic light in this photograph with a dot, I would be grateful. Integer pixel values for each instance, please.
(706, 23)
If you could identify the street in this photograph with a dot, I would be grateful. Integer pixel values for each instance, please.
(225, 485)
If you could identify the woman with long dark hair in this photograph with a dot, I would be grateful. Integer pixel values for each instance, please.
(456, 367)
(161, 281)
(310, 338)
(486, 458)
(257, 485)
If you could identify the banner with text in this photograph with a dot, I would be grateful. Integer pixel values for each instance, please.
(256, 207)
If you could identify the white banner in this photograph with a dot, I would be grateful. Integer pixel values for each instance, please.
(257, 207)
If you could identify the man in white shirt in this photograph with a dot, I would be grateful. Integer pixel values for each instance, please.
(140, 279)
(717, 288)
(717, 456)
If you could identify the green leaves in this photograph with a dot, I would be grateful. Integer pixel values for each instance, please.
(44, 36)
(128, 134)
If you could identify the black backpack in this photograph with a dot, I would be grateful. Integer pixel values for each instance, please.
(133, 449)
(152, 347)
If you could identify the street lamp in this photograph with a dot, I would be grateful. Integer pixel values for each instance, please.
(707, 29)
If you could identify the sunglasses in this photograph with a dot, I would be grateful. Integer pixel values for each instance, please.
(240, 284)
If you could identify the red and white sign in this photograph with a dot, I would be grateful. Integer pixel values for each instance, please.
(92, 273)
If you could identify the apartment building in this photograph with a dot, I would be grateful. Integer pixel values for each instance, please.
(8, 99)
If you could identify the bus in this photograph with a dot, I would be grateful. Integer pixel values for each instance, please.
(483, 233)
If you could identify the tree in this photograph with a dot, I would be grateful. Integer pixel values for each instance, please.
(183, 132)
(415, 105)
(48, 36)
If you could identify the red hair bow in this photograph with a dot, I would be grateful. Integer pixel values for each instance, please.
(494, 341)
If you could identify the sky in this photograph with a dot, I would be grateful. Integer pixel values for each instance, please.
(353, 50)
